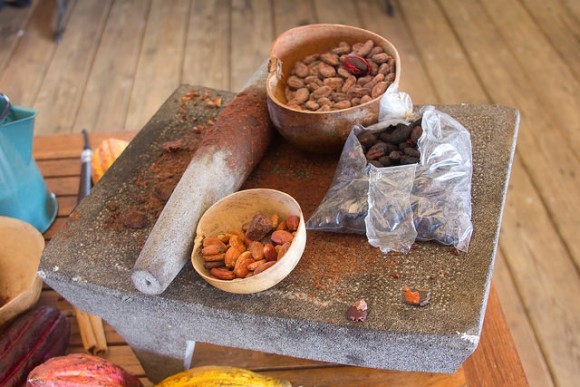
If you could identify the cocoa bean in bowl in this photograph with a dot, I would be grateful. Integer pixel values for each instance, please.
(249, 241)
(324, 78)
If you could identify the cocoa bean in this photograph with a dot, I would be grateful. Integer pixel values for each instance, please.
(324, 101)
(364, 80)
(342, 49)
(366, 48)
(374, 68)
(390, 78)
(294, 82)
(384, 69)
(313, 79)
(355, 101)
(326, 70)
(314, 68)
(330, 59)
(379, 89)
(342, 105)
(322, 91)
(376, 50)
(311, 105)
(313, 86)
(412, 152)
(300, 96)
(311, 58)
(376, 163)
(401, 134)
(385, 161)
(300, 69)
(343, 72)
(324, 108)
(377, 151)
(405, 160)
(395, 156)
(367, 139)
(380, 58)
(365, 99)
(350, 82)
(416, 133)
(337, 97)
(259, 227)
(334, 82)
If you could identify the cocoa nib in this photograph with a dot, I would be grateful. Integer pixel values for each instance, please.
(259, 227)
(416, 297)
(358, 311)
(135, 219)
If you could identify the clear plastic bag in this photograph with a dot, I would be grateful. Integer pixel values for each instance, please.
(394, 206)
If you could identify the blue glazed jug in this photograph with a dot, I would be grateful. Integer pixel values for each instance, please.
(23, 193)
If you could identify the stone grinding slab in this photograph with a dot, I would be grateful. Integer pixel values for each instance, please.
(89, 262)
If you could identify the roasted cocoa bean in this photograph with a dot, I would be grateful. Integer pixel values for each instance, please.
(376, 163)
(416, 133)
(376, 151)
(412, 152)
(385, 161)
(409, 160)
(395, 156)
(367, 139)
(350, 82)
(376, 50)
(342, 49)
(401, 134)
(324, 101)
(343, 72)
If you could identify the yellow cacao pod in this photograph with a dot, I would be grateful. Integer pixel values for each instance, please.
(214, 376)
(105, 155)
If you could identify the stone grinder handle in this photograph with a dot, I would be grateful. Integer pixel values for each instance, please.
(219, 167)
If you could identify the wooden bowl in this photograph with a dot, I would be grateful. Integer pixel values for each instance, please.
(232, 212)
(320, 132)
(20, 250)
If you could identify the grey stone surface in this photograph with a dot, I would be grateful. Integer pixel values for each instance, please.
(304, 315)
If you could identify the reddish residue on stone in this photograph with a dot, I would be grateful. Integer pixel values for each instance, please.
(331, 262)
(243, 130)
(155, 182)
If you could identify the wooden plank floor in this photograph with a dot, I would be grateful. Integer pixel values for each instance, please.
(119, 59)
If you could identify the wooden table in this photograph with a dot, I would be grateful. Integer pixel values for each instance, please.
(494, 363)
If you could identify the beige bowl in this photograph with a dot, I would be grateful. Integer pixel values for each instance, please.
(21, 246)
(232, 212)
(320, 132)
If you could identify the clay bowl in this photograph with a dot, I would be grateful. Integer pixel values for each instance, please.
(20, 252)
(232, 212)
(320, 132)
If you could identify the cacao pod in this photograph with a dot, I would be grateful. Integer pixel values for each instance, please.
(214, 376)
(31, 339)
(79, 369)
(105, 155)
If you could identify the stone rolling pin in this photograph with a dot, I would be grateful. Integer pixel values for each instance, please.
(224, 159)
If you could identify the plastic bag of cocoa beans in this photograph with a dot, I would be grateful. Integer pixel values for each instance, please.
(397, 183)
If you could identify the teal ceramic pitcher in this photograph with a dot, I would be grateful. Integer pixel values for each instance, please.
(23, 193)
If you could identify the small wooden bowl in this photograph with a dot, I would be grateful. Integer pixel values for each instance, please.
(320, 132)
(237, 209)
(20, 252)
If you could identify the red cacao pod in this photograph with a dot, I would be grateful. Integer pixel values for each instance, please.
(79, 369)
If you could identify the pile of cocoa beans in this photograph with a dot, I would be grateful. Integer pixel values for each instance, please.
(257, 246)
(343, 77)
(395, 145)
